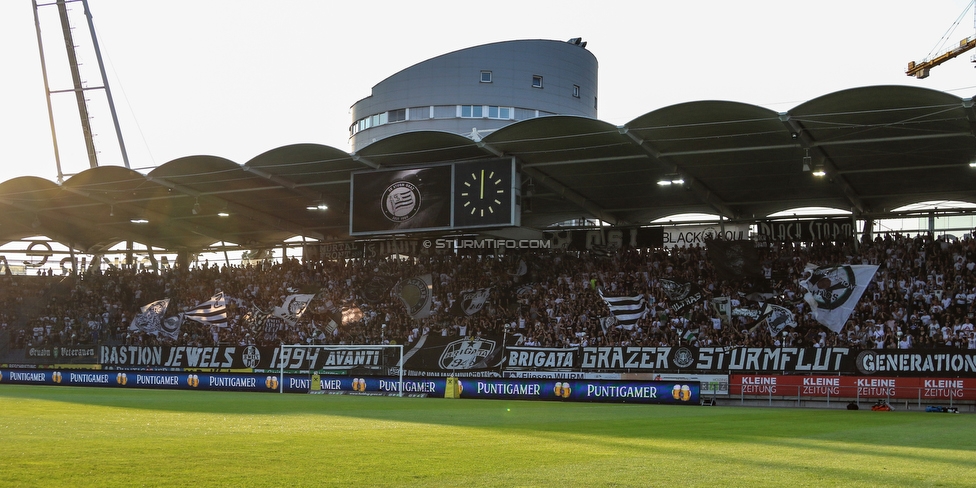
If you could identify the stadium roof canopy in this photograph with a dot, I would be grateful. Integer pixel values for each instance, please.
(882, 147)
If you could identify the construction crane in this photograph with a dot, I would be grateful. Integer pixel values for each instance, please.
(921, 69)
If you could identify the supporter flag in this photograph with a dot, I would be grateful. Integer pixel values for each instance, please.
(254, 320)
(212, 312)
(293, 308)
(271, 326)
(334, 321)
(470, 302)
(734, 260)
(260, 322)
(681, 296)
(416, 294)
(748, 313)
(150, 320)
(833, 291)
(171, 327)
(377, 288)
(607, 322)
(722, 308)
(627, 310)
(776, 318)
(689, 335)
(512, 297)
(521, 268)
(524, 290)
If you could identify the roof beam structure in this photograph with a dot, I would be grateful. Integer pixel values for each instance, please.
(165, 219)
(967, 105)
(284, 182)
(359, 159)
(806, 141)
(269, 220)
(567, 193)
(62, 218)
(703, 192)
(563, 191)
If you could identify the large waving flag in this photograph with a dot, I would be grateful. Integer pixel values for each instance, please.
(376, 288)
(150, 320)
(722, 308)
(416, 295)
(171, 327)
(627, 310)
(212, 312)
(833, 291)
(254, 319)
(293, 308)
(681, 296)
(776, 318)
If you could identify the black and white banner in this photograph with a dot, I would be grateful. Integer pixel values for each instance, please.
(60, 354)
(815, 230)
(459, 356)
(485, 357)
(698, 235)
(541, 358)
(607, 239)
(241, 358)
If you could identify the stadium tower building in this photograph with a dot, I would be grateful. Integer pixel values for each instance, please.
(478, 90)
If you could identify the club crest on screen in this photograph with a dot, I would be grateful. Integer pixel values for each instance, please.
(401, 201)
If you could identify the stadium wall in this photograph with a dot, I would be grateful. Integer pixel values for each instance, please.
(792, 376)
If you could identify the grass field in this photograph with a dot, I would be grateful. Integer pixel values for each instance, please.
(75, 437)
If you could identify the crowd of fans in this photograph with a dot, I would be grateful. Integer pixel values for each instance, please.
(922, 296)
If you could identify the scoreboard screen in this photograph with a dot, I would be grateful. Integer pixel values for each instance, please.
(462, 195)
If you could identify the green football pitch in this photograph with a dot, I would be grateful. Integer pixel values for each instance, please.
(74, 437)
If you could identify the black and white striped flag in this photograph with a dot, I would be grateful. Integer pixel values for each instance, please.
(627, 310)
(212, 312)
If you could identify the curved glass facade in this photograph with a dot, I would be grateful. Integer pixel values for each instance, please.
(478, 90)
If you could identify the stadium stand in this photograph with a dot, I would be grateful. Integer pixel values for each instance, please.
(922, 296)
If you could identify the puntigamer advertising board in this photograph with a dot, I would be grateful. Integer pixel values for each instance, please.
(666, 392)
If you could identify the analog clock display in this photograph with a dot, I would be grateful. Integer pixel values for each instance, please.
(483, 193)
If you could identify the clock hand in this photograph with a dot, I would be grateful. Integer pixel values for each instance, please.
(482, 184)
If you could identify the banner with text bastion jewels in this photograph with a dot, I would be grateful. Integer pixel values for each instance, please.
(240, 358)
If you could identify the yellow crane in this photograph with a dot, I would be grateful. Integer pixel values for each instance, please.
(921, 69)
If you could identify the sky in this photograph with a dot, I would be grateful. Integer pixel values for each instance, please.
(236, 78)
